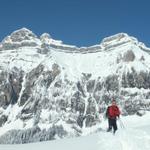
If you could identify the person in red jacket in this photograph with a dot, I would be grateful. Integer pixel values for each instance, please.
(112, 113)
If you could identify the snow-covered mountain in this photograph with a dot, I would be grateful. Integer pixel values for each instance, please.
(50, 90)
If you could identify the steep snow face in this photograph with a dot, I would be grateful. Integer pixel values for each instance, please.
(50, 90)
(104, 63)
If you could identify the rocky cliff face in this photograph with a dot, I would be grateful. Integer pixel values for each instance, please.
(50, 90)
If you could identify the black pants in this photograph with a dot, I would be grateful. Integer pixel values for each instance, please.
(112, 124)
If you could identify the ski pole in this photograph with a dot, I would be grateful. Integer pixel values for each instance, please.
(121, 124)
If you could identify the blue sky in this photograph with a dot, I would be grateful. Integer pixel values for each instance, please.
(77, 22)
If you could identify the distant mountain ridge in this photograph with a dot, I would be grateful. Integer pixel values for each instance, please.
(50, 90)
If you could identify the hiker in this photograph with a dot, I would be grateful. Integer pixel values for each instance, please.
(112, 113)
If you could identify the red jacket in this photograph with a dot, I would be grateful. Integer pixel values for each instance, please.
(113, 111)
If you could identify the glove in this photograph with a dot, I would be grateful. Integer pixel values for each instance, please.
(118, 117)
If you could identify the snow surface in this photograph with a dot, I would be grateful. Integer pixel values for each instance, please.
(135, 136)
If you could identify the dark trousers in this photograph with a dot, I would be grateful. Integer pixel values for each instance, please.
(112, 124)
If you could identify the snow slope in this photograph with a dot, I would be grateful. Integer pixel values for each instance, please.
(102, 63)
(135, 136)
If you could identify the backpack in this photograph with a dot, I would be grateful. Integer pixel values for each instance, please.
(113, 111)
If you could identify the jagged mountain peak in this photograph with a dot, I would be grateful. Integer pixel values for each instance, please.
(22, 34)
(19, 36)
(24, 29)
(25, 37)
(117, 37)
(118, 40)
(46, 38)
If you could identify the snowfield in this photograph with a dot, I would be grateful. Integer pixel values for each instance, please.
(135, 136)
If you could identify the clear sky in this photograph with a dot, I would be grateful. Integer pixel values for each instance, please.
(77, 22)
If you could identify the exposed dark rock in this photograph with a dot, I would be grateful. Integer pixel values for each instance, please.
(30, 135)
(80, 120)
(3, 119)
(11, 84)
(98, 86)
(90, 86)
(112, 83)
(44, 49)
(63, 104)
(77, 102)
(58, 84)
(80, 88)
(90, 120)
(140, 113)
(22, 34)
(30, 83)
(129, 56)
(87, 76)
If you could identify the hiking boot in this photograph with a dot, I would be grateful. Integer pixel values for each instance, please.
(109, 130)
(114, 131)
